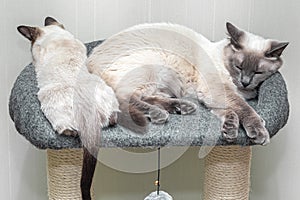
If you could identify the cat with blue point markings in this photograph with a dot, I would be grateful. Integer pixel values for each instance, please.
(152, 66)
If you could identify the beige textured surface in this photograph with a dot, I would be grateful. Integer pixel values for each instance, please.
(64, 173)
(227, 173)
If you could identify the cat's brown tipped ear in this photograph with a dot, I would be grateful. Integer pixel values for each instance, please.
(276, 49)
(51, 21)
(31, 33)
(235, 35)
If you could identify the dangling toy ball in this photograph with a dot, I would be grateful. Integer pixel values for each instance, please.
(161, 196)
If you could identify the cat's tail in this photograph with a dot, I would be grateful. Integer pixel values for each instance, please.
(95, 106)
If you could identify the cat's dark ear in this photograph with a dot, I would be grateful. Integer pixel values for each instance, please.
(51, 21)
(276, 49)
(235, 35)
(31, 33)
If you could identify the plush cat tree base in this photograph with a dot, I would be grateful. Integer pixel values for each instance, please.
(227, 173)
(64, 173)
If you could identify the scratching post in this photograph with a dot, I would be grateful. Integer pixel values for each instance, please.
(64, 173)
(227, 173)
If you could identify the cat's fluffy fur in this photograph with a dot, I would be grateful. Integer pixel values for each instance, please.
(64, 81)
(73, 100)
(207, 67)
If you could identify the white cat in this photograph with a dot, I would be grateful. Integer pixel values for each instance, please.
(73, 100)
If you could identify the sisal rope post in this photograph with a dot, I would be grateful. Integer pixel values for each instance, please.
(227, 173)
(64, 174)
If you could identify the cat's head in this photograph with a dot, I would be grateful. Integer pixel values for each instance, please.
(251, 59)
(41, 37)
(37, 34)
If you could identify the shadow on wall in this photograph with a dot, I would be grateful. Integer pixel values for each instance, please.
(265, 166)
(33, 177)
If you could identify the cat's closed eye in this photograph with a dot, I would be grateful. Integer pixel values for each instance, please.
(270, 57)
(258, 72)
(238, 67)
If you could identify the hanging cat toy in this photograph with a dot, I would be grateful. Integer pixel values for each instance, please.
(158, 194)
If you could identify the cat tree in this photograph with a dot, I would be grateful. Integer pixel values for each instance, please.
(227, 166)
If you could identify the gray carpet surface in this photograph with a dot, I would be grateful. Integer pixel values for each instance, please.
(200, 128)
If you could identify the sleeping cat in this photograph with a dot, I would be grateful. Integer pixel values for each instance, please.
(73, 100)
(150, 65)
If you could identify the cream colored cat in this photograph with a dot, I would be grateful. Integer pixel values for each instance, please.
(150, 65)
(73, 100)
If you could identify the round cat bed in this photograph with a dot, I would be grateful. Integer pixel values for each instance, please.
(199, 129)
(202, 128)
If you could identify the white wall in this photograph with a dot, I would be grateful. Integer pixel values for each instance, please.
(275, 168)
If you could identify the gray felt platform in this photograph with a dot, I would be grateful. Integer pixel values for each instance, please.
(201, 128)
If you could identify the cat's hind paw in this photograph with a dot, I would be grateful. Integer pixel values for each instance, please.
(158, 116)
(65, 130)
(68, 132)
(113, 119)
(186, 107)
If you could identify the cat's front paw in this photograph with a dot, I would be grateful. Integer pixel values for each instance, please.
(255, 129)
(230, 126)
(187, 107)
(158, 116)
